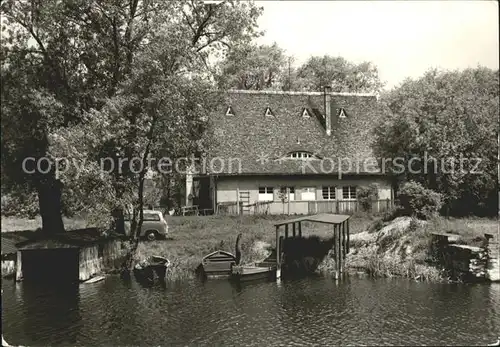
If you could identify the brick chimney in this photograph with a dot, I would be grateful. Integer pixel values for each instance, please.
(328, 111)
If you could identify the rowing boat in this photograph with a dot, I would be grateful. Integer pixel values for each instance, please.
(252, 273)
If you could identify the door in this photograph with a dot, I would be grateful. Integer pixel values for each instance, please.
(56, 265)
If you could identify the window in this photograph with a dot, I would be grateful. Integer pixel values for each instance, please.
(146, 217)
(151, 217)
(292, 192)
(266, 194)
(300, 155)
(349, 193)
(342, 113)
(328, 193)
(309, 193)
(229, 111)
(269, 113)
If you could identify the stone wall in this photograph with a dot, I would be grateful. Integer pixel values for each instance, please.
(464, 262)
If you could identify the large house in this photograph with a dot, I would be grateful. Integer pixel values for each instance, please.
(290, 152)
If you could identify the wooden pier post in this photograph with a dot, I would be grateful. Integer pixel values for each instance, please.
(300, 229)
(286, 231)
(293, 230)
(340, 249)
(343, 247)
(348, 237)
(335, 251)
(278, 253)
(19, 267)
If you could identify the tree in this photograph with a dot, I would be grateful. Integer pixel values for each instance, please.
(70, 67)
(341, 75)
(159, 111)
(447, 121)
(252, 67)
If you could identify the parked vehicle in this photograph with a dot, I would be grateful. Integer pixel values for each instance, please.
(154, 226)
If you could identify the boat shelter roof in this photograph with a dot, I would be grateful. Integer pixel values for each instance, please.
(326, 218)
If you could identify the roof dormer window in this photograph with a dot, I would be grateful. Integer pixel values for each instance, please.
(342, 113)
(268, 112)
(229, 111)
(305, 113)
(301, 155)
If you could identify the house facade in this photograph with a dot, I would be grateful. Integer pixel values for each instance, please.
(291, 152)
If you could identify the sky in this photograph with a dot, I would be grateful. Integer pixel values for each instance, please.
(403, 38)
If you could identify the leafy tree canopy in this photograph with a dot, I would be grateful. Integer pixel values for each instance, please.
(340, 74)
(112, 74)
(452, 117)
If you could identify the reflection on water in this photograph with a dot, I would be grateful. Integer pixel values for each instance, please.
(297, 312)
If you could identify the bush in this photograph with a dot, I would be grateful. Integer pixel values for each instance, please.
(417, 201)
(366, 195)
(20, 205)
(391, 214)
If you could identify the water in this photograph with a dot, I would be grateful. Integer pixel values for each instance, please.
(313, 311)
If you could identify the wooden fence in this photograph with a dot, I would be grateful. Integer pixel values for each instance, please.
(300, 207)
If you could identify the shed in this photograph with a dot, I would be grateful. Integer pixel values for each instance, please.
(9, 250)
(73, 255)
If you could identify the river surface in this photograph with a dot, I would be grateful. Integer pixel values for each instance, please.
(312, 311)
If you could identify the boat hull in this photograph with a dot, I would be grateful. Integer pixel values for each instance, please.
(252, 273)
(156, 269)
(217, 265)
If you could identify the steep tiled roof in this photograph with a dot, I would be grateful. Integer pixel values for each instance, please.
(250, 135)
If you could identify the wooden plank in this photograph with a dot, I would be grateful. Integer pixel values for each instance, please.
(95, 279)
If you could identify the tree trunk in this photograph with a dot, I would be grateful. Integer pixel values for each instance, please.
(50, 203)
(119, 220)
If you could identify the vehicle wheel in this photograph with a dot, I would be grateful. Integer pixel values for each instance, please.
(151, 235)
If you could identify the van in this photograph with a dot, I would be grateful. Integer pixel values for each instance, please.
(154, 226)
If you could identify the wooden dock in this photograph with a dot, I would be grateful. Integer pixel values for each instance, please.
(340, 233)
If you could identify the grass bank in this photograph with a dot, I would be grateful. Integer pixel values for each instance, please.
(193, 237)
(400, 247)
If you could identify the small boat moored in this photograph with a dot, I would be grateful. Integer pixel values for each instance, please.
(153, 268)
(252, 273)
(218, 264)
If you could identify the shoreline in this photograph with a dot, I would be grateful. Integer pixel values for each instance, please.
(375, 248)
